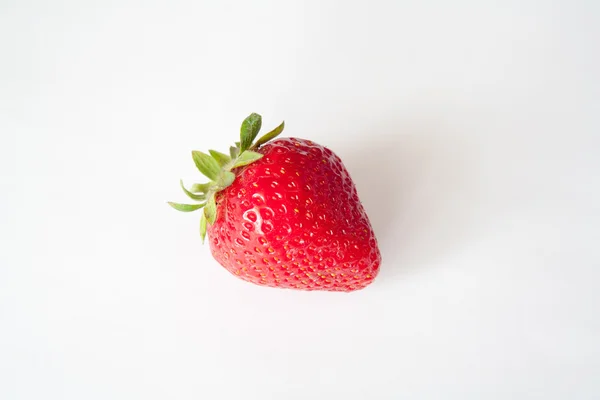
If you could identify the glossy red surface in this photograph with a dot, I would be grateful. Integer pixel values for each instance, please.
(293, 220)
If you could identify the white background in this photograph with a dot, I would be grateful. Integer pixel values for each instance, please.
(471, 128)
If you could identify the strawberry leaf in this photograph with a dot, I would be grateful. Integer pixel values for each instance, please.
(202, 188)
(202, 227)
(225, 180)
(186, 207)
(210, 210)
(269, 136)
(222, 159)
(206, 164)
(234, 152)
(191, 195)
(249, 130)
(246, 158)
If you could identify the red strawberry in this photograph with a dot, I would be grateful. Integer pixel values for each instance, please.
(284, 214)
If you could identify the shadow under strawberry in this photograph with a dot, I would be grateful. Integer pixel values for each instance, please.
(419, 187)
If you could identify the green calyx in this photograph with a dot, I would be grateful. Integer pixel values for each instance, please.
(217, 167)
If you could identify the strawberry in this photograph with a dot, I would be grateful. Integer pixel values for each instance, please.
(284, 213)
